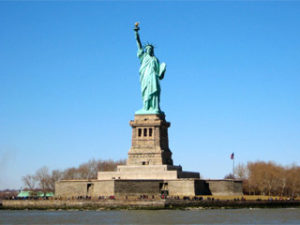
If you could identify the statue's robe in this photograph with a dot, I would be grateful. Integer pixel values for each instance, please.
(150, 73)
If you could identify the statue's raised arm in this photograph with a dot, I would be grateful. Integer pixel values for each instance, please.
(151, 72)
(137, 36)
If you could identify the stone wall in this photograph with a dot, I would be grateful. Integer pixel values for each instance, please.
(201, 188)
(83, 204)
(104, 188)
(71, 188)
(94, 188)
(147, 172)
(187, 174)
(138, 187)
(141, 204)
(176, 187)
(225, 187)
(181, 187)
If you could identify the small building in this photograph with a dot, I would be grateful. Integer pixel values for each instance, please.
(33, 194)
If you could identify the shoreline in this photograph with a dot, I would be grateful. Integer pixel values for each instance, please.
(142, 204)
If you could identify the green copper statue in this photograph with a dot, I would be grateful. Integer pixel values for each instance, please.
(151, 71)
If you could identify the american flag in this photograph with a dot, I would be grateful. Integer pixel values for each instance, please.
(232, 156)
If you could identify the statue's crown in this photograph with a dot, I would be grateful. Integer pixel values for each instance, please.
(149, 45)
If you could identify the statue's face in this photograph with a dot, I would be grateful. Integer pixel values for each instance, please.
(149, 50)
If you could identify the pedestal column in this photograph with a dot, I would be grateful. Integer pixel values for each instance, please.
(150, 144)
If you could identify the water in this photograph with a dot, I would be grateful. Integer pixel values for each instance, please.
(195, 216)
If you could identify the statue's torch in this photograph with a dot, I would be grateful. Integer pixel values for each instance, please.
(136, 26)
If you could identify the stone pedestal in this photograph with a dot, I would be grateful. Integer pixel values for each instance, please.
(150, 144)
(149, 157)
(149, 170)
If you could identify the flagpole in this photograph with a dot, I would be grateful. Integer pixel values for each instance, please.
(232, 158)
(233, 167)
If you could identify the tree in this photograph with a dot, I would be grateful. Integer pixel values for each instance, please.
(29, 182)
(293, 181)
(56, 175)
(253, 178)
(241, 171)
(271, 174)
(229, 176)
(88, 170)
(71, 174)
(282, 180)
(109, 165)
(267, 178)
(264, 176)
(43, 177)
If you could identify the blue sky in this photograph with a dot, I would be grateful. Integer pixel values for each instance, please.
(69, 82)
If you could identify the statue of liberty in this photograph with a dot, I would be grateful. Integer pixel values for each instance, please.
(151, 71)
